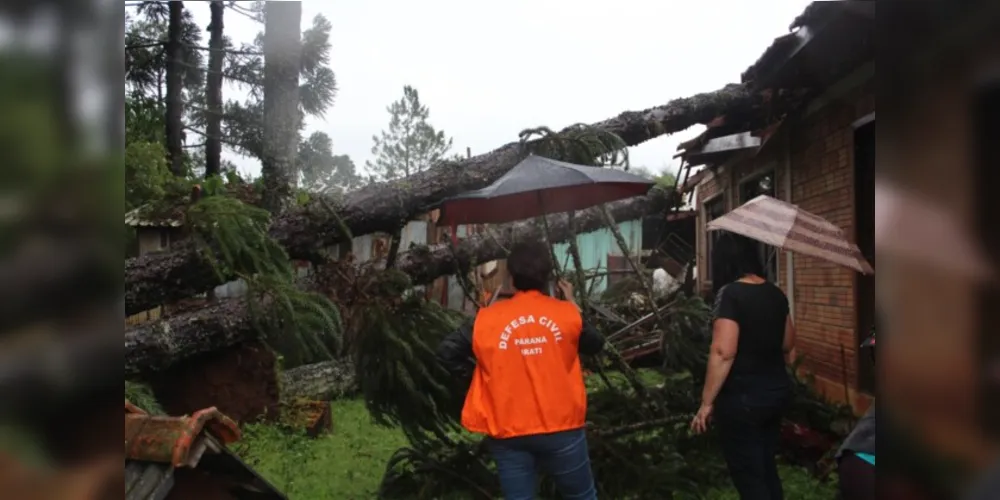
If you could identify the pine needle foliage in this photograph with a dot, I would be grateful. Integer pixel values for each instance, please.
(400, 378)
(640, 445)
(142, 397)
(232, 236)
(463, 471)
(581, 144)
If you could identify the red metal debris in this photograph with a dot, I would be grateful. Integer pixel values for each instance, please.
(170, 440)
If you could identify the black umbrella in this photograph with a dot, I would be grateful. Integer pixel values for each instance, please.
(538, 186)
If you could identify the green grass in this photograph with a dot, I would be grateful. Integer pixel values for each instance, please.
(348, 463)
(345, 464)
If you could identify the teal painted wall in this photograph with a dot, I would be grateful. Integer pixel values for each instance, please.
(594, 249)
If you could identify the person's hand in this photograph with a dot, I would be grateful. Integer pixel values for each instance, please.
(700, 422)
(566, 288)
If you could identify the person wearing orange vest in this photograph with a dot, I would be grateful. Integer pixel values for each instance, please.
(527, 393)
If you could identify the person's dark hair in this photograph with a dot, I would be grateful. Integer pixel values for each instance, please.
(734, 257)
(530, 266)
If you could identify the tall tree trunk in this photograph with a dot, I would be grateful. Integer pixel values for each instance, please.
(175, 102)
(163, 278)
(213, 98)
(156, 346)
(282, 64)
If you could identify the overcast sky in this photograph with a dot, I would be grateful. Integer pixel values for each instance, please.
(489, 71)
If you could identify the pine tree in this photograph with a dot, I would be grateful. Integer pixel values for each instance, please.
(411, 144)
(213, 90)
(282, 119)
(321, 170)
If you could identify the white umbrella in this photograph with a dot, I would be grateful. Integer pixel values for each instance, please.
(790, 228)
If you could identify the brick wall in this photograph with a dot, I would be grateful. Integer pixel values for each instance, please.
(822, 156)
(820, 148)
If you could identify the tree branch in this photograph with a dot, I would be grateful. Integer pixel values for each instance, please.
(145, 45)
(156, 346)
(164, 278)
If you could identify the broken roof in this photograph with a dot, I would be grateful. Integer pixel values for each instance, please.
(156, 446)
(827, 40)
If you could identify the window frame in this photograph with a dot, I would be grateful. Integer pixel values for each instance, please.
(768, 253)
(710, 236)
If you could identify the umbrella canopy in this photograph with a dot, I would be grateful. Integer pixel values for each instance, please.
(538, 186)
(790, 228)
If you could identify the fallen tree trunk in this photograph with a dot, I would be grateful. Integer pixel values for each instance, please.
(427, 264)
(156, 346)
(324, 381)
(153, 347)
(154, 280)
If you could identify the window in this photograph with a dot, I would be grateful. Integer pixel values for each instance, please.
(164, 239)
(713, 210)
(749, 189)
(756, 186)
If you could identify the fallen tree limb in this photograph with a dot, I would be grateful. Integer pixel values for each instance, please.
(319, 382)
(154, 280)
(156, 346)
(425, 265)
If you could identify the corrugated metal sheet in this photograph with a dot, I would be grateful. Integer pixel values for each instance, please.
(135, 219)
(415, 233)
(595, 248)
(147, 481)
(361, 247)
(456, 294)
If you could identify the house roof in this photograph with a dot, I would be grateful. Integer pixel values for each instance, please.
(138, 218)
(844, 19)
(172, 440)
(829, 39)
(157, 446)
(694, 179)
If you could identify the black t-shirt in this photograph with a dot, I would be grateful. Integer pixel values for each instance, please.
(761, 311)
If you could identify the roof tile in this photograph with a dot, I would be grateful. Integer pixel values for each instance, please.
(169, 440)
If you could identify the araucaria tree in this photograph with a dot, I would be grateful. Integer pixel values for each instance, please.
(411, 144)
(321, 171)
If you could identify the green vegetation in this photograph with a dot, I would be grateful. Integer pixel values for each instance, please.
(349, 462)
(345, 464)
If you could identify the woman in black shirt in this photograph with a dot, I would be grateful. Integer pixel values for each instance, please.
(747, 386)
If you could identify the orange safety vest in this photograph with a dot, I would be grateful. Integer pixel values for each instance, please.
(528, 378)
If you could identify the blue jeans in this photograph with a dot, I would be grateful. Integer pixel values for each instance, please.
(562, 456)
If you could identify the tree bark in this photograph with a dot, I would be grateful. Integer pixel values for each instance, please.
(319, 382)
(158, 279)
(424, 265)
(157, 346)
(213, 97)
(175, 102)
(282, 64)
